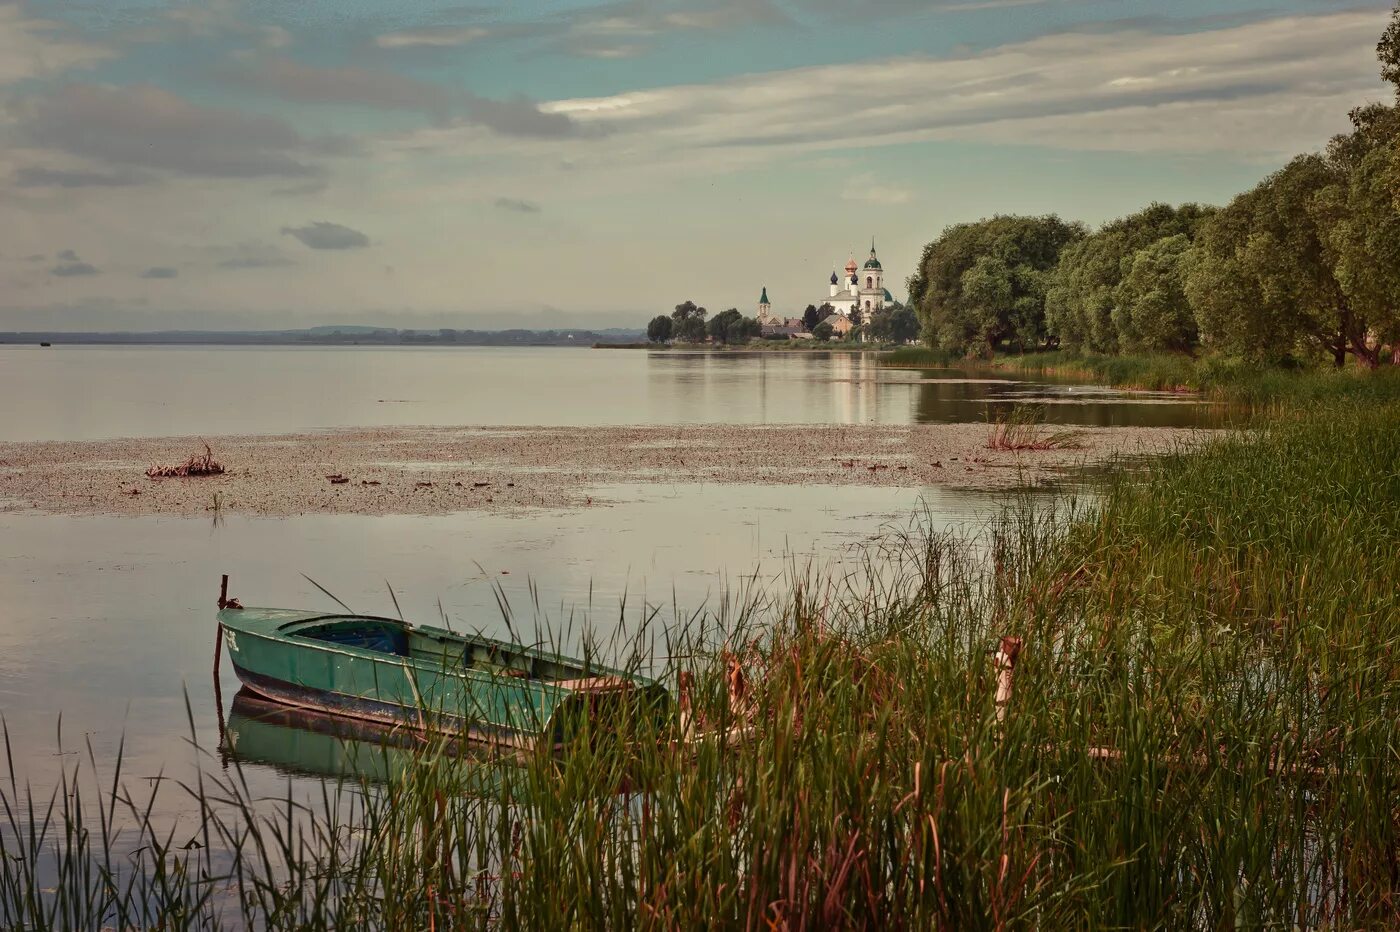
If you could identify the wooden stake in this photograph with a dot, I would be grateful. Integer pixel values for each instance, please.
(1005, 661)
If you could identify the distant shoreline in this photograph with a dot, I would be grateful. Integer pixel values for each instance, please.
(323, 336)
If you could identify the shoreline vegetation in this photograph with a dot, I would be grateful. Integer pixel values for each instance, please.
(1226, 379)
(1201, 732)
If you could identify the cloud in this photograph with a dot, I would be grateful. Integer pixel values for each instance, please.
(73, 269)
(631, 27)
(866, 189)
(517, 205)
(431, 37)
(254, 262)
(160, 271)
(35, 48)
(322, 234)
(385, 90)
(1126, 91)
(67, 255)
(146, 127)
(364, 87)
(37, 176)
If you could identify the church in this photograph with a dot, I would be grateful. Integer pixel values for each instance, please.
(860, 288)
(857, 294)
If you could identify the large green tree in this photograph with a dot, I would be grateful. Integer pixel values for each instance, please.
(983, 284)
(1152, 312)
(894, 323)
(1263, 278)
(1082, 307)
(1388, 50)
(1359, 214)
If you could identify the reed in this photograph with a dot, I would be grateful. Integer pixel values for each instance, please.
(1202, 734)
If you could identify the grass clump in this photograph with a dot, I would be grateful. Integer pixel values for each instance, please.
(1022, 430)
(1203, 734)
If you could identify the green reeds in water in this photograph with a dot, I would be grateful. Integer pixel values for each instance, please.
(1202, 734)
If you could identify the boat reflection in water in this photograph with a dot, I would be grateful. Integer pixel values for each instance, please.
(302, 742)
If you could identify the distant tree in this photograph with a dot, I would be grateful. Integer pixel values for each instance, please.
(822, 331)
(688, 322)
(981, 284)
(894, 323)
(659, 330)
(857, 317)
(811, 317)
(733, 327)
(447, 335)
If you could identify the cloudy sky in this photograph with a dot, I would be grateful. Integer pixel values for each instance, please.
(252, 163)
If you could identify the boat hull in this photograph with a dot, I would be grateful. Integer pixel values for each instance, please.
(391, 673)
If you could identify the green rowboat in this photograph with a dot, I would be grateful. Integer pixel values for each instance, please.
(417, 676)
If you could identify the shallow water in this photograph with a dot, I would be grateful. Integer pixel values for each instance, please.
(110, 620)
(92, 392)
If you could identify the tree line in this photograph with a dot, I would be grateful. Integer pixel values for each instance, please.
(895, 323)
(1306, 263)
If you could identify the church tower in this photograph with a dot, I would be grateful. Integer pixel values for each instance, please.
(764, 308)
(872, 284)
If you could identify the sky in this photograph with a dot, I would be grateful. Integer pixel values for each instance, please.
(248, 164)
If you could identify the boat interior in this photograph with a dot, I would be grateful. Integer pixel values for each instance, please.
(441, 650)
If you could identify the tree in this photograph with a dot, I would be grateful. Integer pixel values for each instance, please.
(1081, 302)
(984, 283)
(894, 323)
(811, 317)
(1388, 50)
(822, 331)
(688, 322)
(659, 330)
(733, 327)
(1359, 214)
(1263, 278)
(1152, 309)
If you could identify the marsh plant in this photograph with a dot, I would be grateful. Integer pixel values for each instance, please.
(1202, 734)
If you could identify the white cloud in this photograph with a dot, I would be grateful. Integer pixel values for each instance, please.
(1219, 91)
(431, 37)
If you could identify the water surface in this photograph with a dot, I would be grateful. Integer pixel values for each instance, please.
(89, 392)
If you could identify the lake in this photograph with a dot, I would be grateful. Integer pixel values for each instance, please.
(109, 621)
(92, 392)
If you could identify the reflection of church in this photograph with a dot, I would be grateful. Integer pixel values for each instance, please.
(862, 288)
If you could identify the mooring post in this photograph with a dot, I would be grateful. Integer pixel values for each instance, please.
(1007, 652)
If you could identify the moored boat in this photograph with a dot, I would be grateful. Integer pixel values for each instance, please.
(418, 676)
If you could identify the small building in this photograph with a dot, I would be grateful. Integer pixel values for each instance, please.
(841, 325)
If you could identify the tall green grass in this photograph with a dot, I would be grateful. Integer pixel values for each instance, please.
(1203, 734)
(1228, 379)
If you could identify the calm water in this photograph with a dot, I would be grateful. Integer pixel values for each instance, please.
(87, 392)
(109, 621)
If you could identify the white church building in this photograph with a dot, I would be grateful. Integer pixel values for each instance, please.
(860, 288)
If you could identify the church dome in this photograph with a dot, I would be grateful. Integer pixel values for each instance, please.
(872, 262)
(889, 297)
(851, 266)
(834, 279)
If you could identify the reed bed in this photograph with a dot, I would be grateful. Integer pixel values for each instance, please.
(1202, 734)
